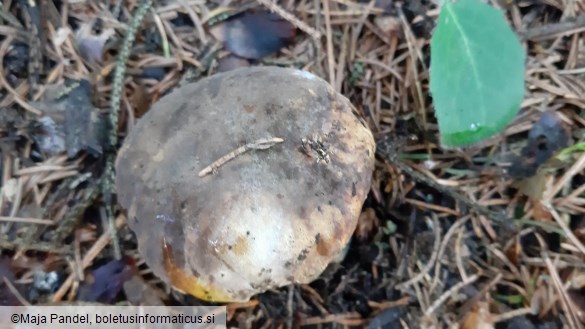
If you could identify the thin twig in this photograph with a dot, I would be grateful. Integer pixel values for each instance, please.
(316, 42)
(450, 293)
(471, 302)
(576, 168)
(91, 254)
(565, 302)
(196, 21)
(427, 268)
(498, 218)
(15, 292)
(289, 307)
(415, 53)
(551, 31)
(567, 230)
(161, 30)
(24, 104)
(512, 314)
(329, 37)
(260, 144)
(35, 55)
(27, 220)
(443, 247)
(458, 255)
(6, 243)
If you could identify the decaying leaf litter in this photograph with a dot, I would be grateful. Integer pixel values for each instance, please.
(421, 257)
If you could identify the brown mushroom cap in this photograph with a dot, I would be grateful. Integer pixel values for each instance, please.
(266, 218)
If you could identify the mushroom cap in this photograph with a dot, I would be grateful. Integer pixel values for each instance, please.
(266, 218)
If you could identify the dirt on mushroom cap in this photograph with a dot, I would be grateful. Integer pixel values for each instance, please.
(268, 216)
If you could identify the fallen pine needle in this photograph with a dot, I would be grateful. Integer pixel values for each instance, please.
(91, 254)
(15, 292)
(26, 220)
(450, 293)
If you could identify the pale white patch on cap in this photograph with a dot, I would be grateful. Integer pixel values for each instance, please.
(306, 74)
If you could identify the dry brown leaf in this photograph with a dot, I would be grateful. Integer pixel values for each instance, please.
(141, 100)
(478, 318)
(367, 224)
(514, 251)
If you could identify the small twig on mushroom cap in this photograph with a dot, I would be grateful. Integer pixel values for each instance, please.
(260, 144)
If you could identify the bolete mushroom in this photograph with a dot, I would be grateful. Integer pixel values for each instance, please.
(245, 181)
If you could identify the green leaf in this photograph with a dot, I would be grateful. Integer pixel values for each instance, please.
(510, 299)
(575, 148)
(477, 72)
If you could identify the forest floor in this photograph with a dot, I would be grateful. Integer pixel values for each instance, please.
(425, 253)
